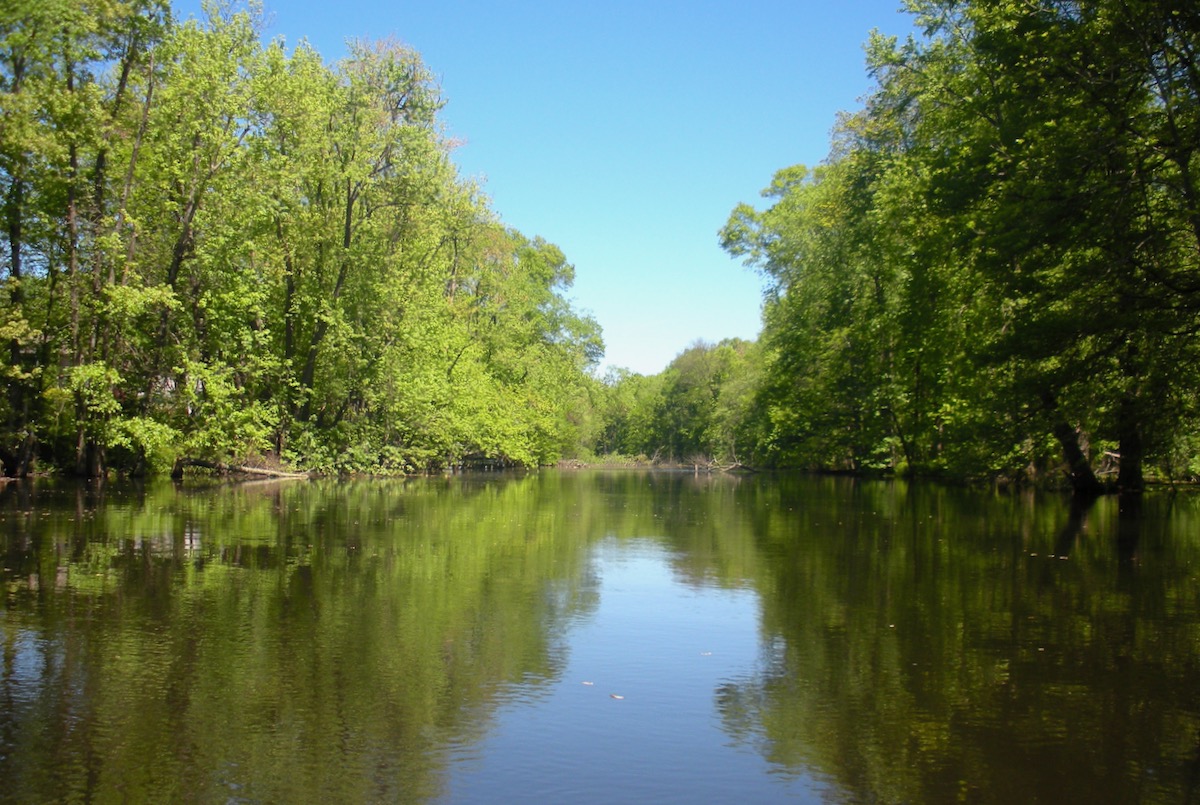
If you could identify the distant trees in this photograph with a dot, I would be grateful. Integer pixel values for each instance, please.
(216, 249)
(695, 409)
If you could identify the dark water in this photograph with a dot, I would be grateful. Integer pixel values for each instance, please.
(596, 638)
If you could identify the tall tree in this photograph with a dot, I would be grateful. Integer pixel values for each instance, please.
(215, 249)
(1059, 152)
(68, 105)
(1000, 256)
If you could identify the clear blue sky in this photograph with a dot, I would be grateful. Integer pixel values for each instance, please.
(626, 130)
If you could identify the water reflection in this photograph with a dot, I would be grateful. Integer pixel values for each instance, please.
(281, 643)
(425, 640)
(929, 645)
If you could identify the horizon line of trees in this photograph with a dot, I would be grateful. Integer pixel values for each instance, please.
(215, 249)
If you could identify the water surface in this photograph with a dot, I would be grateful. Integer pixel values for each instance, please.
(596, 637)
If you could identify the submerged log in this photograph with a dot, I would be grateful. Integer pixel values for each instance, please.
(216, 466)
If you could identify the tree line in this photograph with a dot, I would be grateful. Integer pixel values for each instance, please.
(995, 272)
(217, 249)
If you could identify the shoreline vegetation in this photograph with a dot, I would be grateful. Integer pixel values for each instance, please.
(695, 465)
(251, 473)
(216, 247)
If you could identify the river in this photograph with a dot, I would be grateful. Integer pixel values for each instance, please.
(596, 637)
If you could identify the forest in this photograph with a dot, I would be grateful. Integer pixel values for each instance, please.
(221, 251)
(995, 274)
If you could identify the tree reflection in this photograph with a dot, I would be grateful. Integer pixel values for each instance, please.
(351, 641)
(273, 643)
(928, 645)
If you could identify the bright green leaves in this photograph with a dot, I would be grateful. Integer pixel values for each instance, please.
(219, 249)
(696, 411)
(66, 76)
(414, 330)
(521, 346)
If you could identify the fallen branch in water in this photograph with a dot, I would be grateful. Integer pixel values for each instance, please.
(710, 465)
(226, 469)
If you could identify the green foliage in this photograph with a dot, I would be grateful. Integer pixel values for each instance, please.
(219, 249)
(147, 440)
(695, 411)
(998, 263)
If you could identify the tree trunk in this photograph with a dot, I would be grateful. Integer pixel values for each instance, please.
(89, 457)
(1129, 475)
(1079, 470)
(14, 203)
